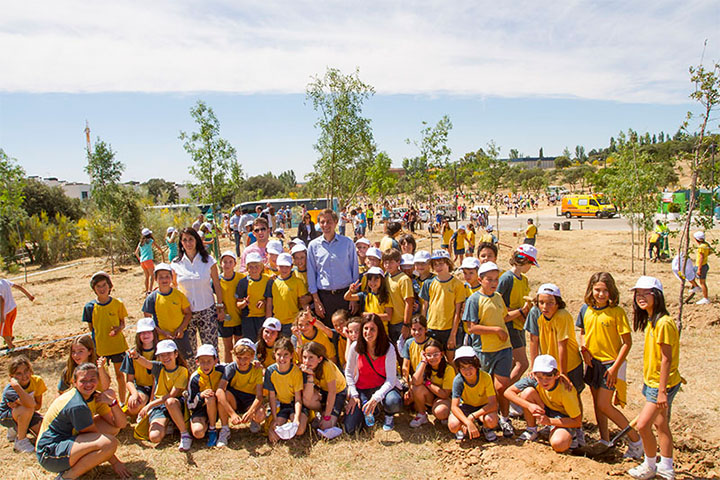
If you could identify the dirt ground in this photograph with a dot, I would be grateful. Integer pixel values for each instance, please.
(566, 258)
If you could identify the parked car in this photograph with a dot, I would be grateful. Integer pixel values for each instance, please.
(447, 211)
(423, 215)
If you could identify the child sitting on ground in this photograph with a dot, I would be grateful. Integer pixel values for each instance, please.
(21, 400)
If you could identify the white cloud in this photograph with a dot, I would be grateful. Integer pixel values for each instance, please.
(623, 51)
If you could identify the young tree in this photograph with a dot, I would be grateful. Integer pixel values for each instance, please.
(214, 157)
(288, 180)
(492, 175)
(381, 181)
(161, 190)
(345, 143)
(104, 172)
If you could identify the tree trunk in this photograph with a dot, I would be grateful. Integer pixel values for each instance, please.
(632, 244)
(644, 252)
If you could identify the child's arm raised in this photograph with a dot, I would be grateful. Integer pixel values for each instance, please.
(25, 399)
(351, 294)
(29, 295)
(116, 417)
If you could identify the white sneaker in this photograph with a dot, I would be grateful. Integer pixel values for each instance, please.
(11, 434)
(459, 435)
(634, 450)
(389, 423)
(696, 290)
(254, 427)
(528, 436)
(185, 443)
(702, 301)
(515, 411)
(666, 474)
(506, 427)
(642, 472)
(223, 437)
(419, 420)
(24, 446)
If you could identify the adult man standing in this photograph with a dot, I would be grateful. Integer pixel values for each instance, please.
(332, 266)
(262, 235)
(234, 226)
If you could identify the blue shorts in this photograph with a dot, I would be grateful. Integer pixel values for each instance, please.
(55, 457)
(116, 358)
(9, 421)
(227, 332)
(651, 393)
(517, 337)
(243, 400)
(286, 410)
(702, 273)
(460, 251)
(145, 390)
(443, 336)
(497, 363)
(339, 405)
(468, 409)
(444, 245)
(161, 411)
(577, 378)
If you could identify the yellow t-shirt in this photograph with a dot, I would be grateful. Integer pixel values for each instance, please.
(446, 235)
(488, 312)
(285, 294)
(302, 276)
(703, 252)
(604, 329)
(166, 309)
(104, 318)
(530, 231)
(559, 327)
(664, 332)
(513, 289)
(323, 340)
(246, 381)
(35, 387)
(283, 384)
(254, 290)
(143, 376)
(475, 395)
(470, 239)
(413, 351)
(460, 240)
(401, 288)
(486, 238)
(469, 291)
(442, 297)
(167, 380)
(558, 398)
(331, 372)
(371, 304)
(446, 381)
(229, 287)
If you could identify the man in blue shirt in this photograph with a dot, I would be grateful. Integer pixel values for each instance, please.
(332, 266)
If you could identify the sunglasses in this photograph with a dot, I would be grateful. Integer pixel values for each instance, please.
(260, 229)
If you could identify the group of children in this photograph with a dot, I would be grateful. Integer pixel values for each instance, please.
(462, 346)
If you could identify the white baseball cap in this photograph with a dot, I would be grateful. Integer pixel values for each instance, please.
(162, 266)
(229, 253)
(274, 248)
(487, 267)
(208, 225)
(489, 228)
(272, 324)
(422, 256)
(253, 257)
(286, 431)
(461, 227)
(374, 252)
(247, 343)
(297, 241)
(165, 346)
(438, 254)
(549, 289)
(280, 230)
(699, 235)
(464, 352)
(145, 324)
(284, 260)
(99, 274)
(648, 282)
(470, 262)
(407, 259)
(375, 271)
(206, 350)
(529, 252)
(170, 229)
(299, 247)
(362, 240)
(146, 231)
(544, 364)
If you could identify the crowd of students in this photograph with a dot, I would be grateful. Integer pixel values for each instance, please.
(419, 334)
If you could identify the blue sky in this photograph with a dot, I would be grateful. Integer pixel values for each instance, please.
(525, 75)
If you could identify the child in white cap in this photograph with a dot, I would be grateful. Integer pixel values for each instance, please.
(286, 294)
(230, 329)
(201, 400)
(547, 400)
(701, 266)
(250, 296)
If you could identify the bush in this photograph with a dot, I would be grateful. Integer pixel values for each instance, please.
(51, 242)
(674, 208)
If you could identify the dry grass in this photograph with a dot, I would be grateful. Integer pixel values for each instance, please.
(566, 258)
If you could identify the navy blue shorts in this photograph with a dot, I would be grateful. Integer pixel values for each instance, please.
(9, 421)
(161, 411)
(116, 358)
(702, 272)
(517, 337)
(243, 400)
(577, 378)
(227, 332)
(497, 363)
(443, 336)
(286, 410)
(339, 405)
(55, 457)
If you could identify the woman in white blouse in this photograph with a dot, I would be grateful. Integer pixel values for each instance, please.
(371, 375)
(195, 273)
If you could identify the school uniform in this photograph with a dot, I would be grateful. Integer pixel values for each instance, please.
(165, 381)
(243, 384)
(285, 385)
(35, 387)
(664, 332)
(330, 372)
(198, 383)
(558, 401)
(513, 289)
(489, 311)
(442, 297)
(413, 351)
(370, 303)
(321, 338)
(103, 317)
(252, 317)
(473, 397)
(285, 294)
(400, 288)
(144, 380)
(231, 325)
(166, 310)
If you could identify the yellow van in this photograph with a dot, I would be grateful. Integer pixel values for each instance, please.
(591, 205)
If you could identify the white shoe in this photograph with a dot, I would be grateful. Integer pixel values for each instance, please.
(223, 437)
(696, 290)
(664, 473)
(506, 427)
(185, 442)
(634, 450)
(24, 446)
(459, 435)
(702, 301)
(528, 436)
(11, 434)
(642, 472)
(419, 420)
(515, 411)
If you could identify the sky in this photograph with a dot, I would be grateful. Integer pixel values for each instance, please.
(526, 75)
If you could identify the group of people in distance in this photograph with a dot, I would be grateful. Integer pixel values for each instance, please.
(332, 335)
